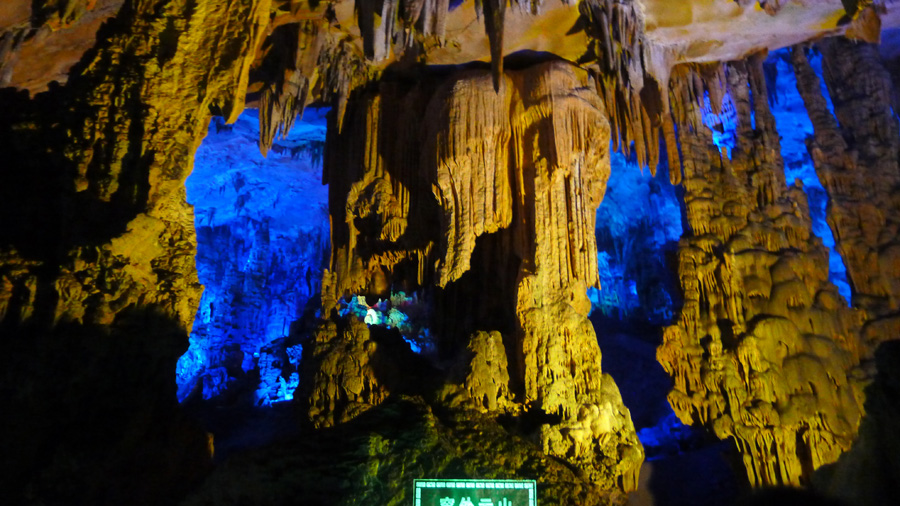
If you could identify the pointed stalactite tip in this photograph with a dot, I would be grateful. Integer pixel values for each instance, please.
(494, 15)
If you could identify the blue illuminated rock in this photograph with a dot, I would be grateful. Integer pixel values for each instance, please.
(638, 226)
(262, 238)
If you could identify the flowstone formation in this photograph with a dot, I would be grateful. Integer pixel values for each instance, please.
(505, 182)
(765, 351)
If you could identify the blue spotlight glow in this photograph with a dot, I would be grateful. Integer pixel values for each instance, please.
(405, 313)
(794, 126)
(262, 239)
(638, 222)
(724, 124)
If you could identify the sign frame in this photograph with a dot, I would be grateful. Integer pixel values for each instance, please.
(529, 485)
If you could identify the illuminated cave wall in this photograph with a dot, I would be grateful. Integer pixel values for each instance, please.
(639, 224)
(262, 240)
(794, 127)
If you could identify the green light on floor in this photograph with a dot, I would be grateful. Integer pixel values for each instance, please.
(475, 493)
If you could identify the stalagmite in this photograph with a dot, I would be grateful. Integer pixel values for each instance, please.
(353, 373)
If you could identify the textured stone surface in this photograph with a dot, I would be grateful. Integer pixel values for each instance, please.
(764, 352)
(40, 41)
(450, 183)
(866, 475)
(855, 155)
(511, 177)
(100, 283)
(43, 46)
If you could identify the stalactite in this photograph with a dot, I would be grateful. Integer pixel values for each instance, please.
(494, 20)
(764, 352)
(434, 17)
(378, 29)
(283, 101)
(856, 157)
(632, 96)
(410, 11)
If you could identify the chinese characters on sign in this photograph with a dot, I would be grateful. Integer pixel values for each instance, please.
(467, 501)
(475, 493)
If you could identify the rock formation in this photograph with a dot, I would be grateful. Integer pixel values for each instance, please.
(857, 163)
(469, 166)
(466, 156)
(99, 285)
(764, 352)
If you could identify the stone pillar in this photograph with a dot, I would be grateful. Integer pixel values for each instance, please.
(764, 351)
(856, 158)
(489, 189)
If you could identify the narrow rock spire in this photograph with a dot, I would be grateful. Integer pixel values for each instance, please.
(494, 15)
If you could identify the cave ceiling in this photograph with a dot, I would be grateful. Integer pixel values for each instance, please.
(41, 41)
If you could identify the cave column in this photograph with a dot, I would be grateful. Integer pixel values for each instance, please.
(764, 351)
(856, 158)
(492, 187)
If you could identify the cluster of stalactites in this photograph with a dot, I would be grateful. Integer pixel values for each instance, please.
(311, 63)
(282, 102)
(396, 25)
(627, 77)
(480, 134)
(625, 70)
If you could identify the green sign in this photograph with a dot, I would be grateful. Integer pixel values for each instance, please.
(475, 493)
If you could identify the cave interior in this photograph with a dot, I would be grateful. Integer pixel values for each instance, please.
(308, 252)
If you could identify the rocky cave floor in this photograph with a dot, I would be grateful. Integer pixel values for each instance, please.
(262, 456)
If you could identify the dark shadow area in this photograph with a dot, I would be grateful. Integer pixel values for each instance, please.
(869, 474)
(90, 415)
(786, 496)
(32, 176)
